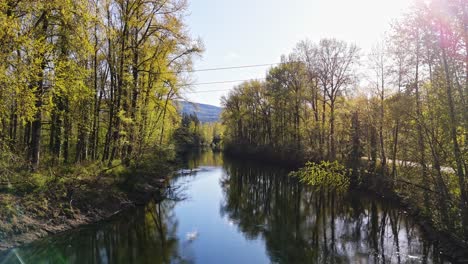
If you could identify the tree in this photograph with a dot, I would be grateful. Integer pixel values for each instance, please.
(94, 79)
(335, 64)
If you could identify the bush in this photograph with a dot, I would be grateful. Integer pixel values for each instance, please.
(324, 175)
(153, 165)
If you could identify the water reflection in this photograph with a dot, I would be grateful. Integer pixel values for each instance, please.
(303, 226)
(200, 158)
(237, 212)
(143, 235)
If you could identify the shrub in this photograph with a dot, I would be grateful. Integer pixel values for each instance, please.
(324, 175)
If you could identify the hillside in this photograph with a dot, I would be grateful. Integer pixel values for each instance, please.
(205, 113)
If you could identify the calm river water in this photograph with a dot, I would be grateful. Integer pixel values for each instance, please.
(236, 212)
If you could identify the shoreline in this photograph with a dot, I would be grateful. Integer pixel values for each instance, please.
(92, 206)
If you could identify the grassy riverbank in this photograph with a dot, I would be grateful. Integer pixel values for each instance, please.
(61, 198)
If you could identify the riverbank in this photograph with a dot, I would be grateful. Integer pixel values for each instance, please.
(77, 196)
(451, 245)
(291, 159)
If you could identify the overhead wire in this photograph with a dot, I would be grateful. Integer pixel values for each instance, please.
(220, 82)
(236, 67)
(232, 68)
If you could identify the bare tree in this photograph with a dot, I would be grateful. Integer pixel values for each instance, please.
(380, 66)
(335, 61)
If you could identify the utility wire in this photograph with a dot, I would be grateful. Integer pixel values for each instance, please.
(233, 67)
(363, 58)
(219, 82)
(208, 91)
(243, 66)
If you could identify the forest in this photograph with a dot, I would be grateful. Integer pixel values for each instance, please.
(87, 90)
(398, 120)
(90, 80)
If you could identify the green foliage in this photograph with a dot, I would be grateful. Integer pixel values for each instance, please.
(86, 101)
(89, 86)
(188, 135)
(324, 175)
(298, 105)
(192, 135)
(153, 165)
(7, 208)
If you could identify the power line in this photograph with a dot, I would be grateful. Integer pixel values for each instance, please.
(208, 91)
(243, 66)
(236, 81)
(220, 82)
(233, 67)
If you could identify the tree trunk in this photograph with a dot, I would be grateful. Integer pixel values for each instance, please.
(332, 155)
(67, 133)
(36, 128)
(456, 148)
(419, 127)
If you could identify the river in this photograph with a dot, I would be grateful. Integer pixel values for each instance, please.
(240, 212)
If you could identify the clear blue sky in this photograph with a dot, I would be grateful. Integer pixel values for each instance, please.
(245, 32)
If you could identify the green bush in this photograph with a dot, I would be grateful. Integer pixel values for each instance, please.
(324, 175)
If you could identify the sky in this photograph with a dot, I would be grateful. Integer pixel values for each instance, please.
(252, 32)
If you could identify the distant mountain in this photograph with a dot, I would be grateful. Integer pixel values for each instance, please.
(205, 113)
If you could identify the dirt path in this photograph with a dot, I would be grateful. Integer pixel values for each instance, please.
(404, 163)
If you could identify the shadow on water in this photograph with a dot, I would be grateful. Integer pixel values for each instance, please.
(289, 222)
(300, 225)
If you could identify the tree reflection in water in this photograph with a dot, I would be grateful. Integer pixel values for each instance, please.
(142, 235)
(294, 223)
(300, 225)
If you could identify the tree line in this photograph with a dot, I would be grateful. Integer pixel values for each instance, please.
(88, 80)
(192, 134)
(402, 108)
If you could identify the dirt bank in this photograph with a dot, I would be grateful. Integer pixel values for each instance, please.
(25, 217)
